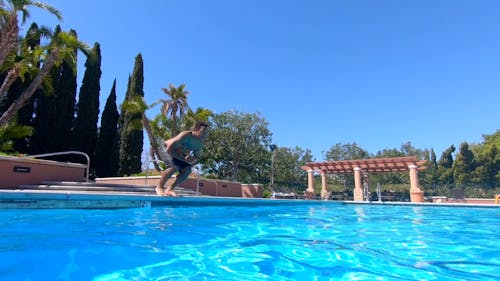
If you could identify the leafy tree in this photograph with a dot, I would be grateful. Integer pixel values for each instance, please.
(394, 177)
(407, 149)
(485, 146)
(347, 151)
(488, 167)
(287, 166)
(490, 158)
(487, 160)
(131, 134)
(106, 162)
(84, 136)
(236, 147)
(389, 153)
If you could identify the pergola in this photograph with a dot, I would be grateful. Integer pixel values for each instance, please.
(364, 166)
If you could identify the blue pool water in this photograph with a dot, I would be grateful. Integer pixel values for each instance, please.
(293, 242)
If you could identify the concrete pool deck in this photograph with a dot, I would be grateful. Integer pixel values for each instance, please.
(77, 199)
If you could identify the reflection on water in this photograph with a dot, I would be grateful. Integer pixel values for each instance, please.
(360, 212)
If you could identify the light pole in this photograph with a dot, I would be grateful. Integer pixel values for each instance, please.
(272, 147)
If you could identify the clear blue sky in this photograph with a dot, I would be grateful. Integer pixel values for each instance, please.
(378, 73)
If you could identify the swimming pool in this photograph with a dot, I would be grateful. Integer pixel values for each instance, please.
(293, 242)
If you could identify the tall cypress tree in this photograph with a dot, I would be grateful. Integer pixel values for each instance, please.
(65, 101)
(463, 165)
(44, 135)
(55, 108)
(46, 113)
(428, 176)
(445, 166)
(87, 113)
(131, 134)
(106, 162)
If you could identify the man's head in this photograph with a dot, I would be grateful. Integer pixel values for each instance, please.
(200, 129)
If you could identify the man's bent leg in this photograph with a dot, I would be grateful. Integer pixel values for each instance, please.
(182, 176)
(165, 175)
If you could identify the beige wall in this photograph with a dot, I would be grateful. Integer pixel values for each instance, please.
(252, 190)
(209, 187)
(471, 201)
(15, 171)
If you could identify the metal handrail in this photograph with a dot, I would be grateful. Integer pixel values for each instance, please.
(63, 153)
(379, 192)
(197, 179)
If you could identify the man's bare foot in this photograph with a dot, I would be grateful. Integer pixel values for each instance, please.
(160, 191)
(170, 193)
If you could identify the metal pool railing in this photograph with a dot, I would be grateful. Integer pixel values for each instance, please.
(64, 153)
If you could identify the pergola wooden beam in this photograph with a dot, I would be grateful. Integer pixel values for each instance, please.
(373, 165)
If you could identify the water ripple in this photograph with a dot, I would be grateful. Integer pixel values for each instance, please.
(340, 242)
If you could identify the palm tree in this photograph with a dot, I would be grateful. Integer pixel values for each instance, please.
(12, 74)
(176, 106)
(9, 23)
(200, 114)
(61, 47)
(154, 142)
(26, 62)
(10, 132)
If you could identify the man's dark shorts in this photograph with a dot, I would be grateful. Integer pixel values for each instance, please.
(180, 164)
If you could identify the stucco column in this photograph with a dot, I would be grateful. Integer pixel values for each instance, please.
(323, 183)
(310, 181)
(416, 194)
(324, 190)
(358, 191)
